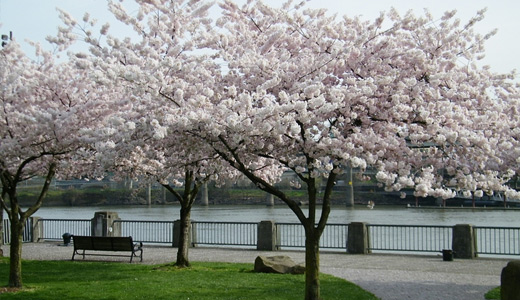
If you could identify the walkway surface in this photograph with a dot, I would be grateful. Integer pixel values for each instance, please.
(388, 276)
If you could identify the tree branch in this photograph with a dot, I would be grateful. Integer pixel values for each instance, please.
(259, 182)
(48, 179)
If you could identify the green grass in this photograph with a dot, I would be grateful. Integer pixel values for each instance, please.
(493, 294)
(99, 280)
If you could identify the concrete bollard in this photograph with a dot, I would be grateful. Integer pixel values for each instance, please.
(510, 281)
(37, 230)
(357, 239)
(103, 224)
(267, 236)
(464, 242)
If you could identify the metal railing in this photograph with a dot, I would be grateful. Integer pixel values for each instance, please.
(334, 236)
(147, 231)
(224, 233)
(416, 238)
(53, 229)
(497, 240)
(292, 235)
(394, 238)
(27, 232)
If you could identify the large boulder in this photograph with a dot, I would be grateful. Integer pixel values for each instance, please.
(510, 281)
(277, 264)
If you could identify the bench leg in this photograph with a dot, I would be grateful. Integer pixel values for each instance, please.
(134, 254)
(76, 252)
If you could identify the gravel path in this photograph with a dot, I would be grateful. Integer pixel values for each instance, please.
(389, 277)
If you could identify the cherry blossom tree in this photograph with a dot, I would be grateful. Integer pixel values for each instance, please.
(305, 91)
(300, 90)
(158, 77)
(48, 118)
(173, 160)
(510, 148)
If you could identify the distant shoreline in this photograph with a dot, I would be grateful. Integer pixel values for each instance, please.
(465, 207)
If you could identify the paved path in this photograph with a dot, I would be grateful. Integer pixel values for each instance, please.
(389, 277)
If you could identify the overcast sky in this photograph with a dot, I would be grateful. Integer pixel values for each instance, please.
(36, 19)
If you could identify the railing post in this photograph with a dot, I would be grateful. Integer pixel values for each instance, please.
(36, 230)
(116, 228)
(267, 236)
(464, 241)
(103, 224)
(358, 241)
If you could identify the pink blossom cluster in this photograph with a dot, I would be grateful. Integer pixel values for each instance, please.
(261, 90)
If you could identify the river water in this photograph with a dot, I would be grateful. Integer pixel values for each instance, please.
(392, 215)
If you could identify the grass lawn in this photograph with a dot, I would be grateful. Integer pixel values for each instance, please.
(493, 294)
(102, 280)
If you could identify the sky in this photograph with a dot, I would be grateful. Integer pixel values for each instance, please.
(36, 19)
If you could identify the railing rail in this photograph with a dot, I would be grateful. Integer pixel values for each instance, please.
(147, 231)
(225, 233)
(27, 232)
(53, 229)
(292, 235)
(497, 240)
(416, 238)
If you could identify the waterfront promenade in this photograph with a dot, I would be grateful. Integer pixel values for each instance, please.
(388, 276)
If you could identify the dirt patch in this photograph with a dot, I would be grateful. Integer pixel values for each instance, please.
(9, 290)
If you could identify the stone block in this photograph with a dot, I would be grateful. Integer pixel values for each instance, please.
(510, 281)
(268, 236)
(357, 238)
(277, 264)
(464, 241)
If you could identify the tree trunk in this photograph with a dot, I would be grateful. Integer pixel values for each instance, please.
(184, 240)
(312, 232)
(312, 264)
(15, 270)
(191, 189)
(18, 217)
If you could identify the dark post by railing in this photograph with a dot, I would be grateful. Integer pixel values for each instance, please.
(358, 241)
(267, 236)
(464, 241)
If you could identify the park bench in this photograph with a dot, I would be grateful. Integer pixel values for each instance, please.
(107, 243)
